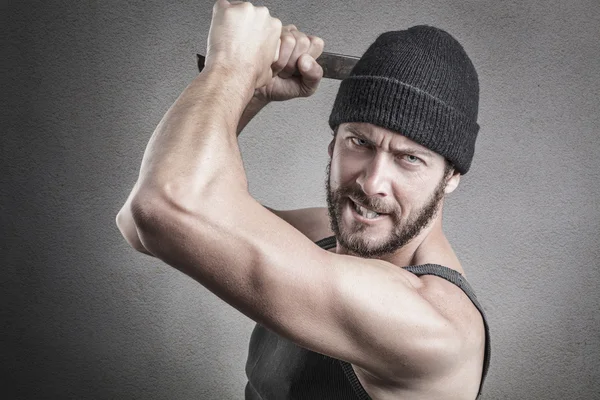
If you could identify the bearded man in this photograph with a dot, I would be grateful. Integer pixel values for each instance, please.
(362, 299)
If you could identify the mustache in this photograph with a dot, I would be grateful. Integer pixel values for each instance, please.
(357, 195)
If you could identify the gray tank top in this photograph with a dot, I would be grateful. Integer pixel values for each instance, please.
(279, 369)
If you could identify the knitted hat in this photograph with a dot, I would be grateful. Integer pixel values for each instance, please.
(420, 83)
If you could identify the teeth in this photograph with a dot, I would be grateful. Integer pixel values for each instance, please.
(365, 212)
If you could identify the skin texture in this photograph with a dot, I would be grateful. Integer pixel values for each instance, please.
(353, 236)
(404, 336)
(387, 172)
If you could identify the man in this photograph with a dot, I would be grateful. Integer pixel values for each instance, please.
(379, 308)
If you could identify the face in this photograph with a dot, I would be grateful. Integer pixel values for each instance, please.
(383, 189)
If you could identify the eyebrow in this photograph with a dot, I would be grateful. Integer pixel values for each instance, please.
(411, 150)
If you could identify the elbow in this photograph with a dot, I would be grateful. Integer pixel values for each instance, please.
(129, 232)
(149, 216)
(159, 219)
(145, 212)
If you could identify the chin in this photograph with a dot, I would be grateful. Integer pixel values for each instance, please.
(366, 244)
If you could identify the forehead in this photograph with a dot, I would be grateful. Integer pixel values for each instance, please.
(379, 135)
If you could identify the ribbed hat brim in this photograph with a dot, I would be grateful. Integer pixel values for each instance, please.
(405, 109)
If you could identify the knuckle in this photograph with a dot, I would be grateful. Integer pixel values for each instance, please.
(303, 41)
(317, 41)
(277, 23)
(288, 40)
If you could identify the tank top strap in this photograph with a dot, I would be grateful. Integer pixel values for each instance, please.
(459, 280)
(326, 243)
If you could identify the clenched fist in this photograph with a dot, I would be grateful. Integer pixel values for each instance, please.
(244, 39)
(279, 61)
(297, 52)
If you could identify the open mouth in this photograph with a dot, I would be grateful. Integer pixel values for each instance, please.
(365, 212)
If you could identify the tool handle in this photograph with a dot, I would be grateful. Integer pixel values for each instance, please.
(335, 66)
(200, 58)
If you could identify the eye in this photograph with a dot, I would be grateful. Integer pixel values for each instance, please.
(412, 159)
(359, 142)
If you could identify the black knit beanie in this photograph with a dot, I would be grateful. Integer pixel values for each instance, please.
(420, 83)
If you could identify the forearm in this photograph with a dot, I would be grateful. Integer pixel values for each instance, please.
(195, 145)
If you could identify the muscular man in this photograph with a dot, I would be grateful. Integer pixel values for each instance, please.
(365, 298)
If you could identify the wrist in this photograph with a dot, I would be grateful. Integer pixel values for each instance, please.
(239, 69)
(219, 92)
(235, 83)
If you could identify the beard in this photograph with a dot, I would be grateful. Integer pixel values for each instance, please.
(353, 238)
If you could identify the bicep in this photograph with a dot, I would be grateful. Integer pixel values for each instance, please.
(369, 313)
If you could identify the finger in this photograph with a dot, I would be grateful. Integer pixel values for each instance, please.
(301, 46)
(286, 47)
(277, 23)
(316, 46)
(277, 50)
(275, 37)
(311, 72)
(219, 4)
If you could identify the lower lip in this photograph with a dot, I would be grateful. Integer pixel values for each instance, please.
(359, 217)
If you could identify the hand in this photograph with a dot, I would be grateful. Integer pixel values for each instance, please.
(243, 39)
(295, 50)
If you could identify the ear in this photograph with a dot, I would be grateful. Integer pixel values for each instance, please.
(330, 148)
(452, 182)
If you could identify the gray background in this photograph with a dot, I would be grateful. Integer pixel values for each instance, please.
(86, 317)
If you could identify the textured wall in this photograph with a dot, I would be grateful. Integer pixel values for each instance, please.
(85, 316)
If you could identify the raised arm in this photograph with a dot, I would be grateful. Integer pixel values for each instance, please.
(281, 88)
(124, 219)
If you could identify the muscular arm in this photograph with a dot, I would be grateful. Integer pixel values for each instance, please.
(124, 218)
(311, 222)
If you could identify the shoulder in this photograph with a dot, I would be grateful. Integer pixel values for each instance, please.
(467, 321)
(463, 352)
(312, 222)
(451, 302)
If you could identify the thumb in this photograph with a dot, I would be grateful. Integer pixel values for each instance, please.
(311, 72)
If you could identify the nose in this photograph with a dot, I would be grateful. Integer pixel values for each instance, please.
(375, 178)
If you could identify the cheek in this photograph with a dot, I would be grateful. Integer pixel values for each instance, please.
(344, 169)
(410, 198)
